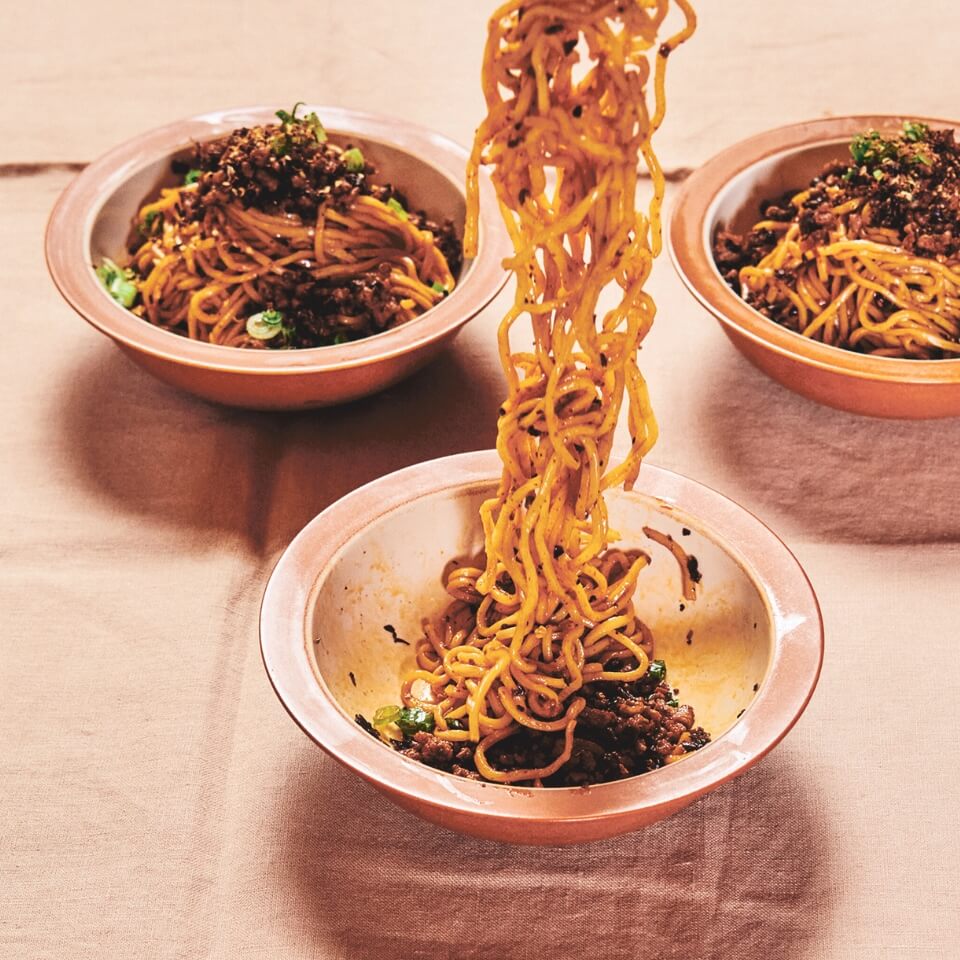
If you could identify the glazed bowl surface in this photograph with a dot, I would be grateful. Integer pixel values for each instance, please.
(746, 655)
(725, 193)
(93, 218)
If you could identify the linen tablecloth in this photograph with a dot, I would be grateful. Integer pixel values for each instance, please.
(155, 799)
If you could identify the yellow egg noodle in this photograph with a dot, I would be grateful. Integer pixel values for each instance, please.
(549, 607)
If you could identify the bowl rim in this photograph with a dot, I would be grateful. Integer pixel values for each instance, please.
(688, 242)
(791, 677)
(70, 225)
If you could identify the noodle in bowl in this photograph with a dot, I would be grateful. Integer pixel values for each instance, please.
(92, 220)
(328, 655)
(725, 194)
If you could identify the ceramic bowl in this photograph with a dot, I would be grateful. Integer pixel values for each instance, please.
(370, 566)
(93, 217)
(726, 193)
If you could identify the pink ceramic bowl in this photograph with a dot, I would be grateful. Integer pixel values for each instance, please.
(726, 193)
(375, 558)
(93, 216)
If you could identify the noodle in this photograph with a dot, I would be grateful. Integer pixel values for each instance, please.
(548, 609)
(279, 220)
(866, 257)
(203, 277)
(888, 302)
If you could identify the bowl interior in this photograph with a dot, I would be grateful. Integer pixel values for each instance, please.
(423, 185)
(737, 205)
(389, 574)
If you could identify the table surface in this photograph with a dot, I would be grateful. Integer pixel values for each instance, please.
(158, 802)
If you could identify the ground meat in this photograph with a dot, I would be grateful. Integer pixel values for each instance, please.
(284, 168)
(430, 749)
(625, 729)
(909, 184)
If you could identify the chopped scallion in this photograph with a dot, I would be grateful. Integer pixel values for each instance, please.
(385, 715)
(265, 325)
(119, 282)
(353, 159)
(914, 131)
(397, 207)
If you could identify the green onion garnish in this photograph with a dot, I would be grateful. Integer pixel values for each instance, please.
(914, 131)
(265, 325)
(385, 715)
(353, 159)
(119, 282)
(397, 207)
(413, 720)
(146, 227)
(192, 176)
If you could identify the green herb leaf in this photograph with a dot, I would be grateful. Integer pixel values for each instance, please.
(353, 159)
(265, 325)
(413, 720)
(673, 703)
(397, 207)
(291, 117)
(861, 146)
(192, 176)
(146, 226)
(878, 175)
(313, 121)
(915, 131)
(288, 120)
(385, 715)
(657, 671)
(871, 148)
(456, 725)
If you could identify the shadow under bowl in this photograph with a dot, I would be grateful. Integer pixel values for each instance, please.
(369, 567)
(93, 219)
(726, 193)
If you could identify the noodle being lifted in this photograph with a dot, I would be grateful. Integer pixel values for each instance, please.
(279, 238)
(540, 670)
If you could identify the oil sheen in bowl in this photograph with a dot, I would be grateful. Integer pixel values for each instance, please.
(746, 655)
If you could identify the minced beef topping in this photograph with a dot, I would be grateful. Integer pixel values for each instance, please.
(909, 183)
(291, 168)
(625, 729)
